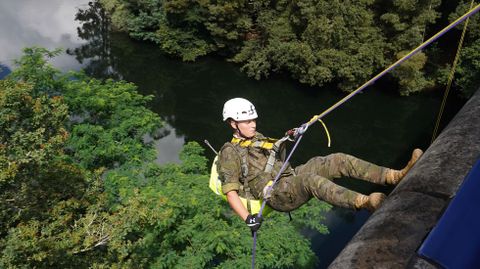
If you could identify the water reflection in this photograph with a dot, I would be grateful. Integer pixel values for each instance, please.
(106, 54)
(95, 29)
(169, 145)
(27, 23)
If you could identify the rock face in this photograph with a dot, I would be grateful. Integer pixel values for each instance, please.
(392, 235)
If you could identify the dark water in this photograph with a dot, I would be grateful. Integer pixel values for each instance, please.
(376, 125)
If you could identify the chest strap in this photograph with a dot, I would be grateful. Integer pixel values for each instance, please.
(270, 144)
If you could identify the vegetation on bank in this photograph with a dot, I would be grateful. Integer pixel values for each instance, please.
(316, 42)
(79, 187)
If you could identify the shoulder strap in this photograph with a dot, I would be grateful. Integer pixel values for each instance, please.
(277, 146)
(272, 145)
(264, 143)
(244, 168)
(242, 157)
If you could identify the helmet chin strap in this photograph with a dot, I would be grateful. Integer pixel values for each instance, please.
(240, 132)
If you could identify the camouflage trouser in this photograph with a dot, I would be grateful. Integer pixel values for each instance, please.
(314, 179)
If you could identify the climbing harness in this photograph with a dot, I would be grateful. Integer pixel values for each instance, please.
(450, 78)
(273, 146)
(270, 144)
(215, 185)
(303, 128)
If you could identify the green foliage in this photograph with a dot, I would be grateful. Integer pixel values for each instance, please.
(32, 129)
(109, 122)
(32, 135)
(37, 188)
(311, 215)
(411, 77)
(192, 158)
(113, 123)
(343, 43)
(316, 42)
(190, 227)
(467, 75)
(77, 201)
(326, 41)
(468, 71)
(405, 22)
(35, 69)
(174, 25)
(56, 241)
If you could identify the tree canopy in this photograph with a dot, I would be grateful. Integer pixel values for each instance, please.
(319, 43)
(80, 189)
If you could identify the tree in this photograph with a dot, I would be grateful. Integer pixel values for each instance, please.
(109, 121)
(315, 42)
(35, 70)
(467, 76)
(32, 135)
(112, 124)
(405, 26)
(183, 225)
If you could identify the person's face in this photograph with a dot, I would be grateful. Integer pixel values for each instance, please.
(247, 128)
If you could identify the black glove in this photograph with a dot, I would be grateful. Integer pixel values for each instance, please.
(254, 222)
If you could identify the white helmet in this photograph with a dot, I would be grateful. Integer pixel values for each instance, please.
(239, 109)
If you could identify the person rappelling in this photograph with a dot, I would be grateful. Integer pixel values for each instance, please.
(251, 166)
(248, 164)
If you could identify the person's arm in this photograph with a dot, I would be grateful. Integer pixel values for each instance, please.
(253, 221)
(229, 169)
(237, 206)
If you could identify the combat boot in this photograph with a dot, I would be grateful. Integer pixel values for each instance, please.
(371, 202)
(393, 177)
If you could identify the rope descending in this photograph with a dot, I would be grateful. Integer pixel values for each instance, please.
(450, 78)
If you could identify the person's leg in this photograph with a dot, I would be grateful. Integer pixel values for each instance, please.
(394, 177)
(292, 192)
(339, 164)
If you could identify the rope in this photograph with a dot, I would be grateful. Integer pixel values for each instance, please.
(391, 67)
(326, 132)
(303, 128)
(450, 78)
(269, 190)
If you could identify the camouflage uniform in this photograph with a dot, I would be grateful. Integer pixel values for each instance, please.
(295, 186)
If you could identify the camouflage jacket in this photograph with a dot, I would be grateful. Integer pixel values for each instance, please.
(241, 169)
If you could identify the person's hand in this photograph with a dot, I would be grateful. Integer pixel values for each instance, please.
(292, 134)
(254, 222)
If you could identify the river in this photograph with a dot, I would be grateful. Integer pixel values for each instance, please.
(376, 125)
